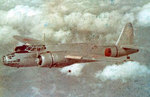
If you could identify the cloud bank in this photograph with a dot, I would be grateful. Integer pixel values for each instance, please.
(125, 71)
(66, 21)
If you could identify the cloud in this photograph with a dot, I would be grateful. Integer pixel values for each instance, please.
(143, 16)
(73, 70)
(74, 20)
(125, 71)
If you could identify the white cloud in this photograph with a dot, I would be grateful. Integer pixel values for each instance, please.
(127, 70)
(143, 16)
(73, 70)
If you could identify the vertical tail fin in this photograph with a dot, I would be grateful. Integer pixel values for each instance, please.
(126, 36)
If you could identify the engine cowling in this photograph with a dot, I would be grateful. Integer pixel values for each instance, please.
(52, 59)
(45, 59)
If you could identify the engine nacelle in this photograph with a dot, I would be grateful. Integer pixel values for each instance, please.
(45, 59)
(52, 59)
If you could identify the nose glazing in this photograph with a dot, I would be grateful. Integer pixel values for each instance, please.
(4, 59)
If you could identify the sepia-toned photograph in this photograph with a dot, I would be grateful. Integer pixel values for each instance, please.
(74, 48)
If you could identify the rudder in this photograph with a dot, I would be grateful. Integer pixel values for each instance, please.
(126, 36)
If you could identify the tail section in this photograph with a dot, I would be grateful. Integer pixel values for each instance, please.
(126, 36)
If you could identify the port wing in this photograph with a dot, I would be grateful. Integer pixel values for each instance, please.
(28, 40)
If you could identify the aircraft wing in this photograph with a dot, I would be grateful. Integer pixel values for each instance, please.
(91, 58)
(28, 40)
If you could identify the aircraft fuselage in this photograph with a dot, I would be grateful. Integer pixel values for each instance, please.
(62, 55)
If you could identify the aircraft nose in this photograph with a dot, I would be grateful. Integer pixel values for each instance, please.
(7, 60)
(4, 59)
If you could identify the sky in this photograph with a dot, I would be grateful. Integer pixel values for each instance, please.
(76, 21)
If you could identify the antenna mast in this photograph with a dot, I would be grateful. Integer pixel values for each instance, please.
(44, 38)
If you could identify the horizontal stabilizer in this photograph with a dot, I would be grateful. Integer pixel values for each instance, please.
(129, 47)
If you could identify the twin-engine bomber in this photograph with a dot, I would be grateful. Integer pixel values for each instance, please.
(32, 53)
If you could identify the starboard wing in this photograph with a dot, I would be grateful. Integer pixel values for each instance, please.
(92, 58)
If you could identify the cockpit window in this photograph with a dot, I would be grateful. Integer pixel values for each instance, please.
(28, 48)
(21, 49)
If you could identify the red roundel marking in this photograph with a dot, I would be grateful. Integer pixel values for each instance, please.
(108, 52)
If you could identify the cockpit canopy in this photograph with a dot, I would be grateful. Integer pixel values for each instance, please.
(29, 48)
